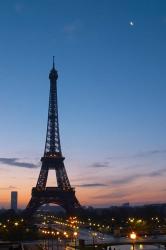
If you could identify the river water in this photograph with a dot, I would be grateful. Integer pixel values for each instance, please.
(137, 247)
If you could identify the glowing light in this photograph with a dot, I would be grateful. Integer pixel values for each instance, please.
(133, 236)
(75, 234)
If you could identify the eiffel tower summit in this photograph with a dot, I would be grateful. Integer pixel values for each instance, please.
(63, 194)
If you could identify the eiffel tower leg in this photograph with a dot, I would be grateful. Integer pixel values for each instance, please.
(42, 180)
(32, 206)
(71, 204)
(62, 178)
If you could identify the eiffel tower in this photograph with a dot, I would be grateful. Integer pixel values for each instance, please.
(63, 194)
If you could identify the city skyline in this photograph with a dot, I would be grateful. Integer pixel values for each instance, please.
(110, 58)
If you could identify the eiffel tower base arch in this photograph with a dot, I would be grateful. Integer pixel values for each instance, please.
(64, 198)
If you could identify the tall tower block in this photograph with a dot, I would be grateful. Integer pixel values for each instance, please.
(14, 197)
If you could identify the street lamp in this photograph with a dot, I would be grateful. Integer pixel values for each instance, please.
(57, 233)
(94, 234)
(133, 237)
(75, 238)
(65, 235)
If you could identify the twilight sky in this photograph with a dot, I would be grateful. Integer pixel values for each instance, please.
(111, 59)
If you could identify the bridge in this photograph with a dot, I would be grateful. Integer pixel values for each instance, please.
(121, 242)
(138, 242)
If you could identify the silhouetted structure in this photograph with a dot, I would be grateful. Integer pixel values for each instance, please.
(63, 194)
(14, 200)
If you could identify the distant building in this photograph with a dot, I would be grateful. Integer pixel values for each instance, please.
(127, 204)
(14, 200)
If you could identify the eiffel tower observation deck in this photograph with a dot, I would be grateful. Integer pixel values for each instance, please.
(63, 194)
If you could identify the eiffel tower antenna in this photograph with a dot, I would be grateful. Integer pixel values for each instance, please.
(53, 63)
(63, 194)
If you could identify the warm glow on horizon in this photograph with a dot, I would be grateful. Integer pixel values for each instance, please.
(88, 196)
(88, 191)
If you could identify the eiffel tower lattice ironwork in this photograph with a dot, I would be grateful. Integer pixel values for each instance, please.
(63, 194)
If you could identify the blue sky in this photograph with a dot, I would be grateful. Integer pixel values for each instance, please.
(111, 93)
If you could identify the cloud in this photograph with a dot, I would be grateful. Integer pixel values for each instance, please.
(126, 179)
(155, 173)
(140, 154)
(100, 165)
(131, 178)
(111, 195)
(150, 153)
(91, 185)
(15, 162)
(8, 188)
